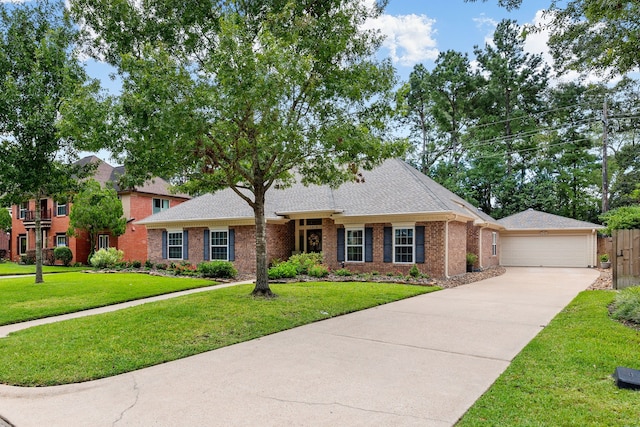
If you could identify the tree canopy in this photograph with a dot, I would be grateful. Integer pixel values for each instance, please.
(240, 94)
(96, 209)
(38, 72)
(5, 220)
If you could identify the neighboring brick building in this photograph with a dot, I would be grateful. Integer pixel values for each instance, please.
(137, 204)
(395, 219)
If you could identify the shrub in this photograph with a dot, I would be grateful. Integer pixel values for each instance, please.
(63, 254)
(318, 271)
(106, 258)
(626, 305)
(342, 272)
(48, 257)
(282, 270)
(136, 264)
(217, 269)
(148, 264)
(3, 254)
(29, 258)
(161, 266)
(414, 272)
(303, 262)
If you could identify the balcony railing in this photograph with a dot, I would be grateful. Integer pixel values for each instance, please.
(29, 219)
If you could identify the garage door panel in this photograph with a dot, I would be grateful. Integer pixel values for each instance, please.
(545, 250)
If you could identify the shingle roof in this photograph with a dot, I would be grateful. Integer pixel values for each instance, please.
(105, 173)
(535, 220)
(392, 188)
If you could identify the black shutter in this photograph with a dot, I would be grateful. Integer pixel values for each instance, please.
(185, 244)
(207, 245)
(232, 245)
(164, 245)
(420, 244)
(388, 244)
(368, 244)
(340, 245)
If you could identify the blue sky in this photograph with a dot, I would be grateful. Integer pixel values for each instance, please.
(417, 30)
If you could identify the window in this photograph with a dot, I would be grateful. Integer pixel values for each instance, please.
(494, 243)
(24, 207)
(160, 205)
(103, 241)
(403, 245)
(219, 245)
(61, 209)
(174, 244)
(22, 244)
(355, 245)
(61, 240)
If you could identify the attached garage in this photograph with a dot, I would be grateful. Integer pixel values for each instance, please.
(537, 239)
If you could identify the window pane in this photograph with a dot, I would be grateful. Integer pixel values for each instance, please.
(61, 210)
(165, 204)
(175, 239)
(175, 252)
(219, 253)
(354, 237)
(61, 241)
(354, 253)
(404, 254)
(219, 238)
(404, 236)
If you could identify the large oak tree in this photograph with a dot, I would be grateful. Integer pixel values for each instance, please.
(240, 93)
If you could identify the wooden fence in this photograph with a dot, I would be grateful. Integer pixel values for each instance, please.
(626, 258)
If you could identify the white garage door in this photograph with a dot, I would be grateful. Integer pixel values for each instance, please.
(546, 251)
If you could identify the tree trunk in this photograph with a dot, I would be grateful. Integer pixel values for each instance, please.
(38, 221)
(262, 277)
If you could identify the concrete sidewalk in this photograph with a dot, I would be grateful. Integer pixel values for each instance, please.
(418, 362)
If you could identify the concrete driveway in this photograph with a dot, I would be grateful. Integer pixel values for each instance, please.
(418, 362)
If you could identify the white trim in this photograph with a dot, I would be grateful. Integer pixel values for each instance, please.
(211, 246)
(58, 236)
(169, 245)
(446, 249)
(346, 244)
(413, 243)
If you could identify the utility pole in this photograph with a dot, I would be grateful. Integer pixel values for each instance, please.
(605, 175)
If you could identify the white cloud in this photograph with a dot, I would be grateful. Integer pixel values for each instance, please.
(408, 38)
(537, 43)
(484, 23)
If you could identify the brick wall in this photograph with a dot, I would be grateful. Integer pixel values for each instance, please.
(134, 241)
(280, 244)
(434, 250)
(489, 260)
(457, 248)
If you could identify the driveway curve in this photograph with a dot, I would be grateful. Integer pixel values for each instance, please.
(422, 361)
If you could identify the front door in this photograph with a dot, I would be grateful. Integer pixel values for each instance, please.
(314, 240)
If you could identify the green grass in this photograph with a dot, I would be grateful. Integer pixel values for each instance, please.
(109, 344)
(563, 377)
(12, 269)
(21, 299)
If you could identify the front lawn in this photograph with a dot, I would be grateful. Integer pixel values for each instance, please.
(12, 269)
(21, 299)
(563, 377)
(109, 344)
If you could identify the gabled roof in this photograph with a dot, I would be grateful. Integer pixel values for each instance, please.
(105, 173)
(393, 188)
(535, 220)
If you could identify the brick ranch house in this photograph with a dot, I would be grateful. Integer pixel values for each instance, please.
(396, 218)
(137, 203)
